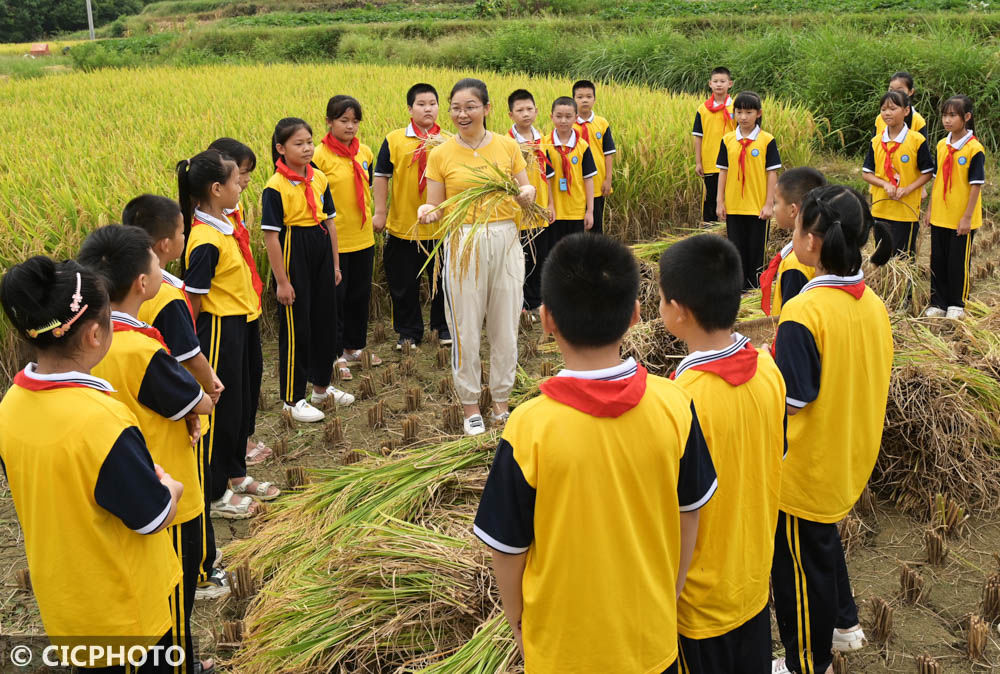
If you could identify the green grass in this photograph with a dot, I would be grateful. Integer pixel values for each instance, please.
(20, 67)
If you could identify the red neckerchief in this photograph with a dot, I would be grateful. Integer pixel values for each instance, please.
(890, 173)
(855, 290)
(584, 131)
(282, 169)
(744, 144)
(947, 168)
(564, 153)
(420, 154)
(540, 156)
(350, 152)
(242, 236)
(31, 384)
(149, 331)
(735, 369)
(766, 280)
(595, 397)
(723, 107)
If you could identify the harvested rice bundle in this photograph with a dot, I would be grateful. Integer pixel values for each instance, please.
(491, 650)
(651, 250)
(901, 283)
(649, 290)
(650, 344)
(526, 387)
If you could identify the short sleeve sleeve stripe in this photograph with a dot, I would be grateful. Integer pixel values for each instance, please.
(697, 131)
(697, 480)
(272, 214)
(201, 269)
(723, 161)
(383, 165)
(167, 388)
(977, 169)
(506, 514)
(127, 485)
(799, 361)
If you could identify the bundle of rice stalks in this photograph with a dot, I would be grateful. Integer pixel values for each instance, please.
(526, 387)
(901, 283)
(491, 650)
(649, 290)
(650, 344)
(651, 250)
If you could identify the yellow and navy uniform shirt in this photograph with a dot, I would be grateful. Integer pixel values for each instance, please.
(535, 177)
(598, 137)
(746, 193)
(283, 203)
(397, 160)
(354, 232)
(968, 168)
(170, 313)
(570, 194)
(216, 269)
(711, 127)
(88, 500)
(915, 121)
(909, 162)
(235, 216)
(740, 397)
(590, 480)
(791, 278)
(834, 349)
(452, 165)
(160, 392)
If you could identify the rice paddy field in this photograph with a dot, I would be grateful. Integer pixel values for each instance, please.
(367, 562)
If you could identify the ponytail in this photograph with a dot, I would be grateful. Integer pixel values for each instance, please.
(841, 217)
(283, 130)
(195, 176)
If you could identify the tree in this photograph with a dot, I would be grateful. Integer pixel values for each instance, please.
(29, 20)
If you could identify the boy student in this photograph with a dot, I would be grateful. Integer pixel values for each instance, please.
(534, 237)
(403, 158)
(162, 395)
(574, 172)
(591, 506)
(597, 132)
(712, 120)
(722, 613)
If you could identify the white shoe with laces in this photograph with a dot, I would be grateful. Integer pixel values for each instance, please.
(303, 411)
(342, 398)
(957, 313)
(474, 425)
(934, 312)
(779, 667)
(848, 640)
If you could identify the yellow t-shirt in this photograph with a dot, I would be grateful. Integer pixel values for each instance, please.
(538, 174)
(284, 203)
(747, 191)
(598, 136)
(453, 165)
(915, 121)
(835, 352)
(216, 269)
(170, 313)
(740, 397)
(791, 278)
(235, 216)
(711, 127)
(911, 157)
(968, 168)
(570, 194)
(353, 231)
(95, 569)
(397, 161)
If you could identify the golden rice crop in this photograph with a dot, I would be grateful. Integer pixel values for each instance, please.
(19, 48)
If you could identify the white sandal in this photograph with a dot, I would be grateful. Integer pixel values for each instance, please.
(227, 511)
(345, 370)
(259, 493)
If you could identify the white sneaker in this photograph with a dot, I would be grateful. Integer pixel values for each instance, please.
(848, 640)
(303, 411)
(474, 425)
(342, 398)
(934, 312)
(779, 667)
(500, 419)
(956, 313)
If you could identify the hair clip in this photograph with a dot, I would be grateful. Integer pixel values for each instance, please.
(45, 328)
(59, 329)
(77, 297)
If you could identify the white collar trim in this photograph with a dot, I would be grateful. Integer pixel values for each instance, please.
(900, 137)
(834, 280)
(570, 144)
(753, 134)
(787, 250)
(614, 373)
(961, 141)
(589, 120)
(223, 226)
(71, 377)
(535, 135)
(702, 357)
(128, 319)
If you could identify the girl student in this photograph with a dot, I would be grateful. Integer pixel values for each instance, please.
(489, 287)
(955, 210)
(902, 82)
(301, 240)
(834, 343)
(897, 165)
(348, 164)
(748, 163)
(246, 162)
(100, 516)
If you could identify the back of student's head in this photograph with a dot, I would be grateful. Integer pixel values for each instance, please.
(40, 296)
(564, 100)
(119, 254)
(416, 90)
(589, 286)
(703, 273)
(235, 150)
(519, 95)
(283, 130)
(841, 217)
(794, 184)
(960, 105)
(584, 84)
(155, 214)
(195, 177)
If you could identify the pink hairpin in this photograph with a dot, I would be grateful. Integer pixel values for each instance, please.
(77, 297)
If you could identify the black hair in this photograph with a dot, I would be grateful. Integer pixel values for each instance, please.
(38, 293)
(478, 86)
(589, 286)
(795, 183)
(416, 90)
(584, 84)
(704, 274)
(905, 76)
(337, 106)
(283, 130)
(155, 214)
(239, 152)
(895, 97)
(519, 95)
(960, 104)
(195, 176)
(721, 70)
(841, 216)
(565, 100)
(119, 254)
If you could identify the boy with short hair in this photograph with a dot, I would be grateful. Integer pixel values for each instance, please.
(534, 235)
(722, 614)
(712, 120)
(403, 158)
(591, 506)
(574, 173)
(597, 132)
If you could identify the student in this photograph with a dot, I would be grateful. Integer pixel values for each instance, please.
(897, 165)
(596, 131)
(164, 397)
(722, 613)
(573, 174)
(403, 159)
(834, 344)
(246, 162)
(712, 120)
(746, 199)
(488, 288)
(955, 210)
(591, 506)
(534, 235)
(785, 272)
(903, 83)
(297, 218)
(97, 518)
(348, 165)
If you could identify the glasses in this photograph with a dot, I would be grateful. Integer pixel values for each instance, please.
(472, 109)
